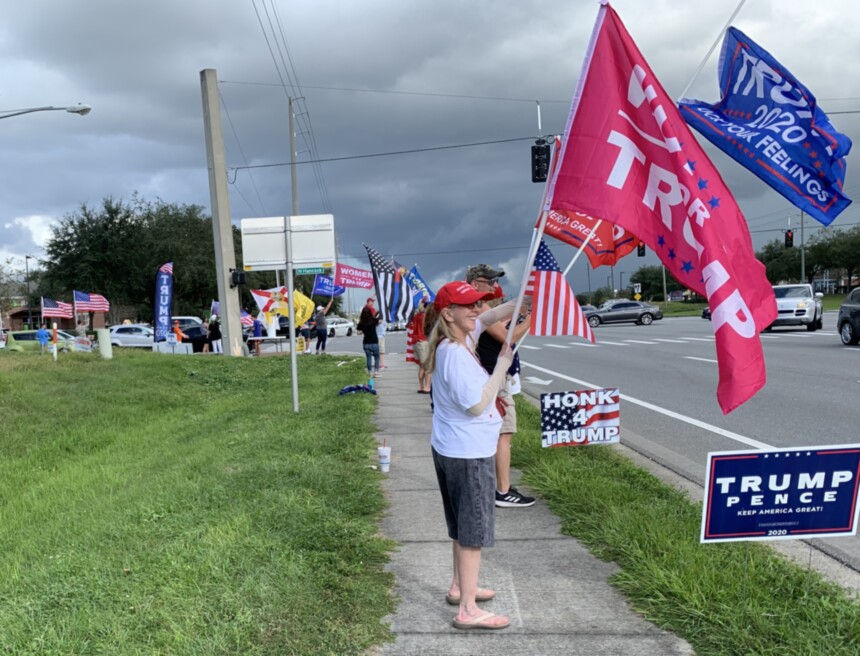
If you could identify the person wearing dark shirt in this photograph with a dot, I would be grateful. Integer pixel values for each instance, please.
(486, 279)
(367, 322)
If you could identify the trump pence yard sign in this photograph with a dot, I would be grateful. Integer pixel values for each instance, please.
(780, 494)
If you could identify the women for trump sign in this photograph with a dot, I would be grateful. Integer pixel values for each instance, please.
(580, 418)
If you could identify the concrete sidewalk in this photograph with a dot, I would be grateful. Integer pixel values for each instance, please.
(556, 594)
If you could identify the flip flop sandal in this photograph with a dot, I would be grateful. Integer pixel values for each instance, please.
(480, 622)
(482, 595)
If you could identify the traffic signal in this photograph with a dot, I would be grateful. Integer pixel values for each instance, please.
(789, 238)
(640, 249)
(540, 161)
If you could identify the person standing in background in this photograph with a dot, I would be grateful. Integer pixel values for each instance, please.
(215, 334)
(420, 347)
(258, 334)
(486, 279)
(321, 327)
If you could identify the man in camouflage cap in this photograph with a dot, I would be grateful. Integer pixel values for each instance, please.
(485, 278)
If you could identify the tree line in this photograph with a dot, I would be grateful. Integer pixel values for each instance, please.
(832, 252)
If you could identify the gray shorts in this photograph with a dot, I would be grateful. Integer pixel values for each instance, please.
(468, 487)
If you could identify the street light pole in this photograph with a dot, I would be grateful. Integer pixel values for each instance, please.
(81, 110)
(621, 281)
(29, 297)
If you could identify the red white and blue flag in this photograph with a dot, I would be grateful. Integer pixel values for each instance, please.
(56, 309)
(167, 267)
(90, 302)
(628, 157)
(555, 310)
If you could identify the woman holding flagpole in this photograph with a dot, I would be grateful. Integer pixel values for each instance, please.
(466, 422)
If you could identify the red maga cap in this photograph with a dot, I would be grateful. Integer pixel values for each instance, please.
(459, 292)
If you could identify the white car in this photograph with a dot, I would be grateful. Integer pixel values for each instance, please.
(798, 305)
(134, 334)
(339, 327)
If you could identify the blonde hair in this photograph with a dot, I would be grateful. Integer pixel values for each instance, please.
(441, 330)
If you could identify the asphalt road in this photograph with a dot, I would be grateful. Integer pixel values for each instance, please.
(667, 374)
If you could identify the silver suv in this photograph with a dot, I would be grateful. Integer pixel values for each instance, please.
(798, 305)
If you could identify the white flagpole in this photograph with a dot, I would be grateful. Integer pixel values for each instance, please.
(710, 52)
(582, 248)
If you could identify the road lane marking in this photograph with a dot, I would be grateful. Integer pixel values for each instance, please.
(583, 344)
(689, 357)
(561, 346)
(670, 341)
(769, 337)
(529, 347)
(701, 339)
(603, 341)
(636, 341)
(664, 411)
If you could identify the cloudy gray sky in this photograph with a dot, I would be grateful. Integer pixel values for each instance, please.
(376, 76)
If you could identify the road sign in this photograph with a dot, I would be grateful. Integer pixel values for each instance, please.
(309, 271)
(637, 287)
(638, 297)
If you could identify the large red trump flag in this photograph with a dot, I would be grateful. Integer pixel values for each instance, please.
(629, 158)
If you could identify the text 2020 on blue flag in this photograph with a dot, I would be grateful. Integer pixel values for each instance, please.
(770, 123)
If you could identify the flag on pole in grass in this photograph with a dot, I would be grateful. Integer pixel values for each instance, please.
(629, 158)
(163, 301)
(555, 310)
(90, 302)
(56, 309)
(392, 289)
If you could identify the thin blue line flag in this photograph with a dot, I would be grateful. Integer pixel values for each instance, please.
(771, 123)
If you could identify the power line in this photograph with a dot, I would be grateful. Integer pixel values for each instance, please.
(387, 154)
(408, 93)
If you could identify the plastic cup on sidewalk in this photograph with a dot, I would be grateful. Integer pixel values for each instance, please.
(384, 453)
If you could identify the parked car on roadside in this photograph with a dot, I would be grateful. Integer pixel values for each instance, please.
(798, 305)
(25, 340)
(339, 327)
(848, 321)
(197, 336)
(624, 312)
(132, 335)
(186, 321)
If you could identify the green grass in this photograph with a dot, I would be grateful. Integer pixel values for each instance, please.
(731, 598)
(174, 505)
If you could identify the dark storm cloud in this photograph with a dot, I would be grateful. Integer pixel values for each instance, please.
(138, 65)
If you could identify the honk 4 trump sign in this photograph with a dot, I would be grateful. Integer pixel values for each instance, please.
(580, 418)
(797, 493)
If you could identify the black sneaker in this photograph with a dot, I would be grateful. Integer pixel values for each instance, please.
(513, 499)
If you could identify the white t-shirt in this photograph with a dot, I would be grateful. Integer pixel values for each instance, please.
(457, 385)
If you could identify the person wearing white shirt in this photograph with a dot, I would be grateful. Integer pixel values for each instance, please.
(464, 437)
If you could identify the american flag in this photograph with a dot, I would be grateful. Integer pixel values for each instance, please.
(392, 290)
(246, 319)
(91, 302)
(58, 309)
(167, 267)
(555, 310)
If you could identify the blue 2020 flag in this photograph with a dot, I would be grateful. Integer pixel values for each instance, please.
(422, 290)
(163, 300)
(770, 122)
(324, 286)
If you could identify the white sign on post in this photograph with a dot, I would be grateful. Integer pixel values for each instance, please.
(311, 240)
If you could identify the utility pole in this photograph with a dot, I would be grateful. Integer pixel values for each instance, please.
(289, 279)
(222, 228)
